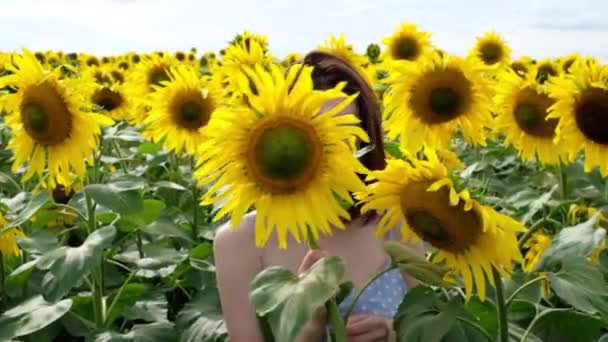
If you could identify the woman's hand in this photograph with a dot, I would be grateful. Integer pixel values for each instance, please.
(369, 328)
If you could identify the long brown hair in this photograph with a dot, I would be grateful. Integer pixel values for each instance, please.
(329, 70)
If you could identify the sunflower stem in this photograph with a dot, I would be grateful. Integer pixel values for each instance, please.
(563, 179)
(336, 320)
(123, 163)
(370, 281)
(503, 328)
(2, 285)
(194, 202)
(98, 304)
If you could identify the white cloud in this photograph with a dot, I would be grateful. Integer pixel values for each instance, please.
(536, 27)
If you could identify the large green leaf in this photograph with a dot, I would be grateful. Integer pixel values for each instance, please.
(419, 320)
(39, 242)
(151, 307)
(155, 332)
(201, 319)
(67, 265)
(151, 211)
(39, 201)
(484, 314)
(581, 284)
(17, 279)
(122, 202)
(125, 297)
(166, 228)
(572, 242)
(568, 326)
(415, 265)
(291, 300)
(30, 316)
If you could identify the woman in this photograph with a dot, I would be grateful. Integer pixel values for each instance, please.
(357, 244)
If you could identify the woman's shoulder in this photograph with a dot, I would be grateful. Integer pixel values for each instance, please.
(242, 236)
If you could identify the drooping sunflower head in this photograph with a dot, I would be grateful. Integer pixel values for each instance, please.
(407, 43)
(419, 197)
(8, 240)
(522, 107)
(180, 110)
(547, 69)
(48, 123)
(491, 50)
(338, 46)
(582, 109)
(284, 153)
(434, 98)
(536, 247)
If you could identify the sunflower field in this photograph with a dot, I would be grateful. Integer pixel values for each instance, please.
(117, 171)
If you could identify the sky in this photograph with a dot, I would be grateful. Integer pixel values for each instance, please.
(539, 28)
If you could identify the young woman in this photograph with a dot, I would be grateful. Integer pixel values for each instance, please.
(238, 261)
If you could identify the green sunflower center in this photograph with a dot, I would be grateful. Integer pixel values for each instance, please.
(284, 154)
(531, 112)
(45, 115)
(491, 53)
(431, 217)
(444, 101)
(592, 115)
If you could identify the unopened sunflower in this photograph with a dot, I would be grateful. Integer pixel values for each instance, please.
(8, 239)
(418, 197)
(521, 108)
(49, 123)
(491, 51)
(582, 109)
(284, 156)
(180, 108)
(407, 44)
(429, 101)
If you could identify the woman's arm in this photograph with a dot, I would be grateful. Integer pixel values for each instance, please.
(237, 263)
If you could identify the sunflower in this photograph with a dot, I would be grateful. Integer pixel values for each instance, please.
(246, 37)
(522, 107)
(428, 101)
(180, 109)
(48, 122)
(283, 156)
(582, 109)
(547, 69)
(536, 246)
(576, 212)
(470, 238)
(113, 101)
(407, 43)
(238, 56)
(567, 62)
(338, 46)
(8, 239)
(491, 51)
(88, 61)
(149, 72)
(521, 66)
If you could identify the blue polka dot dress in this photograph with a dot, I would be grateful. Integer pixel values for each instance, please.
(381, 298)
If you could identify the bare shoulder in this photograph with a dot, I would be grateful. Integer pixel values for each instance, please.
(242, 236)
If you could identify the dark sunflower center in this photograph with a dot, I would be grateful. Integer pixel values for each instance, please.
(531, 112)
(444, 101)
(592, 115)
(191, 111)
(135, 59)
(406, 48)
(92, 62)
(108, 99)
(180, 56)
(567, 65)
(123, 65)
(491, 53)
(45, 115)
(284, 152)
(157, 76)
(545, 72)
(118, 76)
(519, 68)
(431, 217)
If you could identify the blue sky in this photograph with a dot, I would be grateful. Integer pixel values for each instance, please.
(540, 28)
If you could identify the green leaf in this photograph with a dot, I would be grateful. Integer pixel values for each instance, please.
(127, 183)
(41, 200)
(155, 332)
(531, 293)
(30, 316)
(522, 311)
(291, 300)
(38, 242)
(128, 296)
(582, 285)
(149, 148)
(392, 147)
(151, 211)
(568, 326)
(201, 319)
(169, 185)
(516, 333)
(415, 265)
(151, 307)
(572, 242)
(202, 251)
(427, 325)
(80, 320)
(67, 265)
(122, 202)
(166, 228)
(485, 314)
(17, 279)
